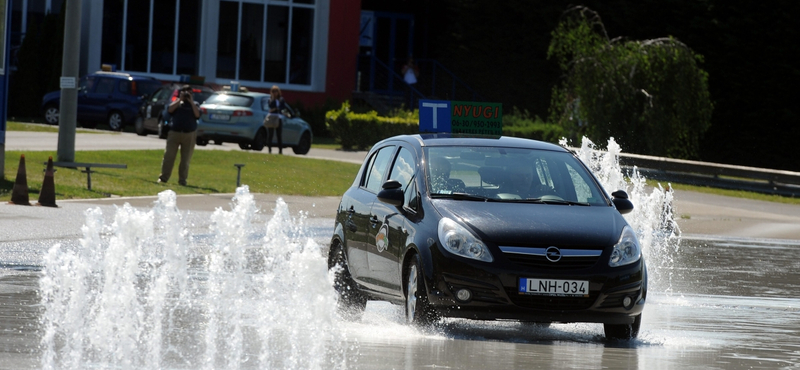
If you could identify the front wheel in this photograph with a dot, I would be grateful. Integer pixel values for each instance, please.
(623, 331)
(304, 145)
(115, 121)
(418, 310)
(163, 129)
(51, 114)
(351, 302)
(139, 127)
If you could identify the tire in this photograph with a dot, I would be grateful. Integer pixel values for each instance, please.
(351, 302)
(260, 141)
(52, 114)
(139, 126)
(115, 121)
(244, 146)
(623, 331)
(418, 310)
(202, 142)
(304, 145)
(162, 129)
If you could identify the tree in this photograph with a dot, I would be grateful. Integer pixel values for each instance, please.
(650, 95)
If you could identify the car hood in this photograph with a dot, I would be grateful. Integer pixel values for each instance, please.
(536, 224)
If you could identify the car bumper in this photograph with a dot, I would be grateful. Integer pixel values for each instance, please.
(495, 292)
(235, 133)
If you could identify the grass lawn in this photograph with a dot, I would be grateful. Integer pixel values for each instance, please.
(212, 171)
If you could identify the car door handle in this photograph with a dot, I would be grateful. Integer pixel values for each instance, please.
(374, 220)
(351, 210)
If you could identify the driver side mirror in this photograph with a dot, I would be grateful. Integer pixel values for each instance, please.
(621, 202)
(392, 193)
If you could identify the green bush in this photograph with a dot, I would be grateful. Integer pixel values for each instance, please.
(361, 130)
(521, 124)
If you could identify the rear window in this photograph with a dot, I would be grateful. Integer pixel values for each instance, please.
(230, 99)
(200, 96)
(146, 87)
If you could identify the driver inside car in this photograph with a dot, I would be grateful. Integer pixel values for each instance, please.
(440, 177)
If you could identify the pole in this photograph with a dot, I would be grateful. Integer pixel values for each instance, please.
(68, 121)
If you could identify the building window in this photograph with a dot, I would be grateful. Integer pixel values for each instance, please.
(248, 49)
(140, 36)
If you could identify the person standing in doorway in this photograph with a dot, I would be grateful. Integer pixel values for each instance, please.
(276, 107)
(410, 73)
(183, 136)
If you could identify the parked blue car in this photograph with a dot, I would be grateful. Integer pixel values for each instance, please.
(112, 98)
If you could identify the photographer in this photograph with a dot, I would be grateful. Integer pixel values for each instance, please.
(183, 134)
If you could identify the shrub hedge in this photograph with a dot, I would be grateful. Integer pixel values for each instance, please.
(361, 130)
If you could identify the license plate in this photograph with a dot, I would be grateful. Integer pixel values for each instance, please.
(220, 117)
(564, 288)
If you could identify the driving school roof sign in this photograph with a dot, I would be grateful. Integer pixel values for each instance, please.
(460, 117)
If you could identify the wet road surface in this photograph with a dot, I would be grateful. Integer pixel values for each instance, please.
(714, 303)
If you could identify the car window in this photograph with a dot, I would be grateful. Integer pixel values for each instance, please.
(412, 196)
(510, 173)
(403, 168)
(156, 95)
(124, 86)
(104, 86)
(200, 96)
(145, 87)
(377, 168)
(87, 83)
(230, 99)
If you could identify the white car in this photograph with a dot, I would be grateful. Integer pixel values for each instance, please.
(238, 117)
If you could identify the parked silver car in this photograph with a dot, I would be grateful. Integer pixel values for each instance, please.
(237, 117)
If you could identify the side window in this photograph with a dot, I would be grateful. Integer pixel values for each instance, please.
(125, 87)
(104, 86)
(377, 169)
(412, 196)
(403, 168)
(87, 83)
(265, 104)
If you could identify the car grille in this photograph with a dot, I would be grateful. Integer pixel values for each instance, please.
(550, 303)
(536, 257)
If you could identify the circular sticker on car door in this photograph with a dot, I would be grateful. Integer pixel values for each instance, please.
(382, 239)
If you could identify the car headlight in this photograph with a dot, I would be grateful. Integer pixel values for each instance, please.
(627, 249)
(458, 240)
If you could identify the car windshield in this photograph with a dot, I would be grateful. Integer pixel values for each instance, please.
(230, 99)
(510, 175)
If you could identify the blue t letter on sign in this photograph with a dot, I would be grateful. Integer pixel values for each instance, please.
(434, 116)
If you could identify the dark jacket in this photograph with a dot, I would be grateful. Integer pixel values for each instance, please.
(183, 118)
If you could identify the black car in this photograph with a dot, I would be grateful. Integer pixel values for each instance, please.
(112, 98)
(151, 117)
(487, 229)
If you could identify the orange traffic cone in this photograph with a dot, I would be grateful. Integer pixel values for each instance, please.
(47, 197)
(19, 195)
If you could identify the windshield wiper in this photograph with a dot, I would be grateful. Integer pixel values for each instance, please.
(463, 196)
(545, 201)
(562, 201)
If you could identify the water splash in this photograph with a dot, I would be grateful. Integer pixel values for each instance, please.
(653, 216)
(142, 294)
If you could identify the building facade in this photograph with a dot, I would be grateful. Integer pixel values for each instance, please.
(306, 47)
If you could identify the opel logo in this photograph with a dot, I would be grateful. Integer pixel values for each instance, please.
(553, 254)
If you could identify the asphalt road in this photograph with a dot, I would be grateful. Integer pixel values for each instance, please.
(698, 214)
